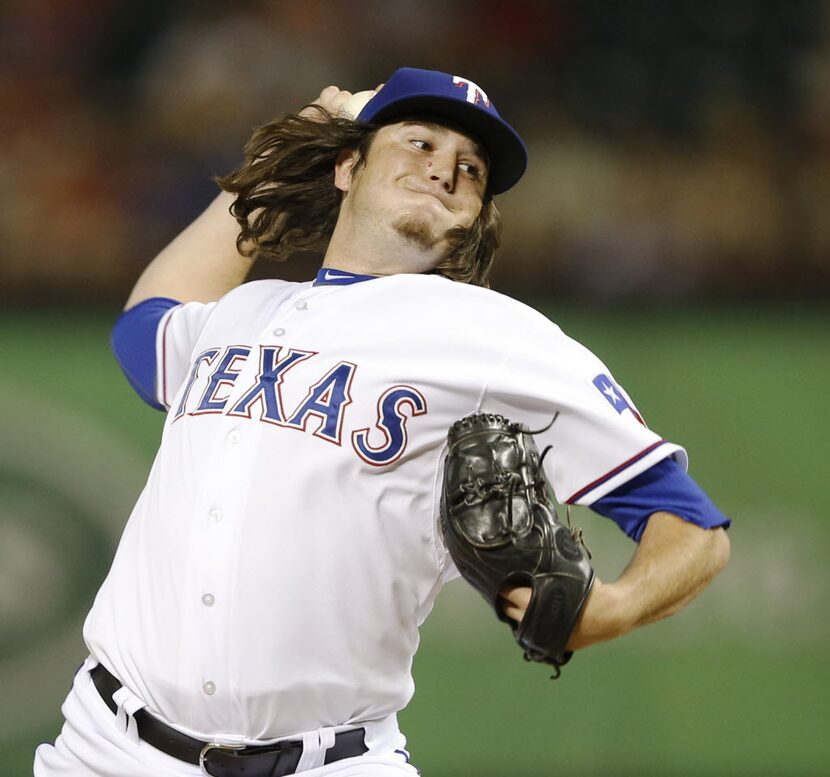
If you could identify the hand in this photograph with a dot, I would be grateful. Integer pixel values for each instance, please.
(515, 602)
(675, 560)
(339, 102)
(599, 621)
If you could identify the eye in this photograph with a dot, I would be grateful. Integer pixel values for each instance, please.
(470, 169)
(424, 145)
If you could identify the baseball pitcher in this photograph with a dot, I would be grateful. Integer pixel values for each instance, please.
(335, 451)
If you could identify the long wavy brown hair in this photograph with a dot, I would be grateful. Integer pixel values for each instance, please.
(286, 200)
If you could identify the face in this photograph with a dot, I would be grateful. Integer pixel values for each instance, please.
(419, 181)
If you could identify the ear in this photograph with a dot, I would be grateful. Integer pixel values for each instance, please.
(343, 169)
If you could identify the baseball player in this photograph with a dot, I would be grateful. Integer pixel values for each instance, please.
(262, 610)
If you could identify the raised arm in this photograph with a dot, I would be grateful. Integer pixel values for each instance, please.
(674, 562)
(203, 263)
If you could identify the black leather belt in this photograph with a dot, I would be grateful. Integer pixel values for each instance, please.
(225, 760)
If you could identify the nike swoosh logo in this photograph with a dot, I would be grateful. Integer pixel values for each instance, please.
(330, 275)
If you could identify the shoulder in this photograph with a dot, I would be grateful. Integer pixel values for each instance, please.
(440, 297)
(242, 309)
(254, 291)
(255, 298)
(459, 314)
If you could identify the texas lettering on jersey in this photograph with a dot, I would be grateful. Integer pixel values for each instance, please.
(327, 399)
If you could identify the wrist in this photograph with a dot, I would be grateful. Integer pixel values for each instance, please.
(605, 616)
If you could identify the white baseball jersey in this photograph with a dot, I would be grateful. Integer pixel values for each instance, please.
(286, 548)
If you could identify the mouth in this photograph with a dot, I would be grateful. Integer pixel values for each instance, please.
(435, 196)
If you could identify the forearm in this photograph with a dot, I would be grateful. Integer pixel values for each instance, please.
(201, 264)
(674, 562)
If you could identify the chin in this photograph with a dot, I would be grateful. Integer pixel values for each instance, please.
(419, 230)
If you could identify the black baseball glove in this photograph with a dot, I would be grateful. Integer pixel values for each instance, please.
(501, 529)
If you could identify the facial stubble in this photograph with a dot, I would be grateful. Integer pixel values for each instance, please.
(417, 231)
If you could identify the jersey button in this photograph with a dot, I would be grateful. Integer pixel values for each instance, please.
(208, 600)
(209, 688)
(301, 305)
(233, 437)
(215, 515)
(279, 331)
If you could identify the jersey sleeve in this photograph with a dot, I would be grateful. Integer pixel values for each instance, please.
(599, 439)
(153, 343)
(665, 487)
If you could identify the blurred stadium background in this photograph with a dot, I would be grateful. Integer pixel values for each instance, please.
(674, 218)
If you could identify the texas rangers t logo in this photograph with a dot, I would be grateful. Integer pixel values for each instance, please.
(475, 94)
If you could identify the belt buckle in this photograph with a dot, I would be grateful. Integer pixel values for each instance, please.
(214, 746)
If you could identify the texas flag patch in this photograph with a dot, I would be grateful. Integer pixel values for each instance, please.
(614, 395)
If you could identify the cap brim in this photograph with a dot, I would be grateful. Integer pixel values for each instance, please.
(507, 152)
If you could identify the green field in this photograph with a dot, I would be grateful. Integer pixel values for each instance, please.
(738, 684)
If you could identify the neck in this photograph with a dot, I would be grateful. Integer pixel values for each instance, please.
(365, 252)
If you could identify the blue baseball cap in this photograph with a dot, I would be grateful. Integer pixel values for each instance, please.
(411, 91)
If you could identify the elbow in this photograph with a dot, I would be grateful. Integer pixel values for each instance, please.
(720, 549)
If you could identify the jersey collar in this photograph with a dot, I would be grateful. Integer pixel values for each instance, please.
(328, 276)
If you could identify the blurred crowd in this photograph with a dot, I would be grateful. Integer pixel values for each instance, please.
(678, 150)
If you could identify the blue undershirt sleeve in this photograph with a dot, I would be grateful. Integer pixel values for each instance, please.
(664, 487)
(133, 341)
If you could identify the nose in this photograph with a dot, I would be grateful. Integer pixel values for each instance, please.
(441, 169)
